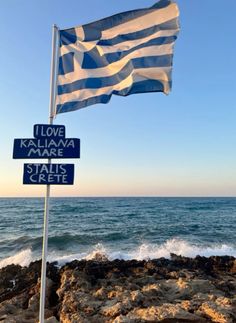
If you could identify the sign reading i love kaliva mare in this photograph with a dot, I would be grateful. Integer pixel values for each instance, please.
(49, 142)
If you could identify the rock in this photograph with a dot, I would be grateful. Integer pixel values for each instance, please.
(233, 267)
(98, 256)
(100, 291)
(51, 319)
(21, 303)
(123, 319)
(163, 314)
(137, 297)
(112, 309)
(217, 312)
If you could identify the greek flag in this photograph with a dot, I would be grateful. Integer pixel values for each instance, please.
(130, 52)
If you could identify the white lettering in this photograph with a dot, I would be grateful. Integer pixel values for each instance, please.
(62, 143)
(37, 166)
(53, 152)
(44, 168)
(31, 143)
(61, 132)
(64, 179)
(36, 130)
(63, 169)
(29, 168)
(34, 152)
(51, 178)
(52, 143)
(47, 173)
(32, 178)
(50, 131)
(23, 143)
(60, 152)
(42, 178)
(71, 143)
(47, 143)
(40, 144)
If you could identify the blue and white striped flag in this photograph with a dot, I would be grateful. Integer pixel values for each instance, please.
(130, 52)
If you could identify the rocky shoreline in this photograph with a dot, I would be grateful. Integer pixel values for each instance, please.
(179, 289)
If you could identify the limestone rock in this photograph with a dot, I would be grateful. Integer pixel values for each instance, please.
(51, 319)
(217, 312)
(164, 313)
(100, 291)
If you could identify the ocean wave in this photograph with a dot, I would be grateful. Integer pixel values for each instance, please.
(22, 258)
(142, 252)
(60, 241)
(152, 251)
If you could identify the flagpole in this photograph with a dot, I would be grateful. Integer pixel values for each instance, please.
(54, 63)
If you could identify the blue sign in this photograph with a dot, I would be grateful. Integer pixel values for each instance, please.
(46, 148)
(56, 174)
(49, 142)
(49, 131)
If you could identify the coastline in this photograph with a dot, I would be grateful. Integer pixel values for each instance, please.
(179, 289)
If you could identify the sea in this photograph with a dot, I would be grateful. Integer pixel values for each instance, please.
(117, 228)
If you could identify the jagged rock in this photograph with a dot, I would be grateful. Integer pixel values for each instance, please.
(51, 319)
(101, 291)
(20, 303)
(123, 319)
(112, 309)
(163, 314)
(218, 311)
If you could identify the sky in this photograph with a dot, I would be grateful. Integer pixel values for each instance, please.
(183, 144)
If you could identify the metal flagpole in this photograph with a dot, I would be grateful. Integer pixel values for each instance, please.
(54, 63)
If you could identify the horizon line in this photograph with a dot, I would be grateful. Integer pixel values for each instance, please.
(126, 196)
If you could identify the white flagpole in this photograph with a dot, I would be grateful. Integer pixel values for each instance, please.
(54, 64)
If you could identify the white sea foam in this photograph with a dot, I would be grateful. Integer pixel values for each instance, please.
(181, 247)
(93, 253)
(150, 251)
(143, 252)
(22, 258)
